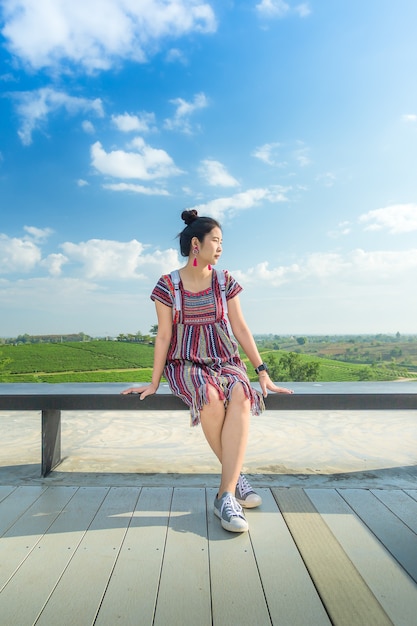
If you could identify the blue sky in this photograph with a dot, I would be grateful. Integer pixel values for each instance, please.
(294, 123)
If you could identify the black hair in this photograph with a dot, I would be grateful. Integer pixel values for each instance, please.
(195, 227)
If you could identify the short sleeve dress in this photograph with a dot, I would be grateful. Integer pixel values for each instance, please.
(203, 352)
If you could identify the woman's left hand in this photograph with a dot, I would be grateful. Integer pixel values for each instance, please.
(267, 385)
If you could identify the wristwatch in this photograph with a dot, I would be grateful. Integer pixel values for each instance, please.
(261, 368)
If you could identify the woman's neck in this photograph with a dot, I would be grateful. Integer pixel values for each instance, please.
(195, 278)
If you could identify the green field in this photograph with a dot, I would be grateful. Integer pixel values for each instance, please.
(117, 361)
(90, 361)
(338, 371)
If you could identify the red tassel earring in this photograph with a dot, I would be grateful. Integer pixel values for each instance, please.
(195, 252)
(209, 267)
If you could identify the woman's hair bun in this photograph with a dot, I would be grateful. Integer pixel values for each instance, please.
(189, 216)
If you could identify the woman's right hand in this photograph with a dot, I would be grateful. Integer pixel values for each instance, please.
(143, 391)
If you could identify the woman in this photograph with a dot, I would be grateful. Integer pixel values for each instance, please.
(198, 355)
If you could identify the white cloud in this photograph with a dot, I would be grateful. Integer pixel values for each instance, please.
(273, 8)
(54, 263)
(149, 191)
(145, 163)
(333, 293)
(95, 34)
(24, 255)
(105, 259)
(33, 108)
(115, 260)
(38, 234)
(95, 259)
(268, 154)
(59, 304)
(128, 123)
(176, 56)
(82, 183)
(184, 110)
(356, 267)
(397, 218)
(215, 174)
(302, 155)
(261, 273)
(343, 229)
(303, 9)
(269, 9)
(327, 179)
(43, 292)
(88, 127)
(411, 117)
(18, 255)
(229, 206)
(8, 78)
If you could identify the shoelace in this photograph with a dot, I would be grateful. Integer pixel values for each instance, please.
(233, 508)
(243, 485)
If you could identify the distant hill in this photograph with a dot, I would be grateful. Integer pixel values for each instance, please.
(124, 361)
(399, 350)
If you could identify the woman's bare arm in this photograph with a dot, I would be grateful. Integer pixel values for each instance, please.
(162, 342)
(245, 338)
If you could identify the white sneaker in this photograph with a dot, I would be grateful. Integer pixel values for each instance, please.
(230, 513)
(245, 495)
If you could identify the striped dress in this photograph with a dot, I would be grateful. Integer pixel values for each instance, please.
(202, 352)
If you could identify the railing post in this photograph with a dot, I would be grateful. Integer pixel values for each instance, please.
(51, 440)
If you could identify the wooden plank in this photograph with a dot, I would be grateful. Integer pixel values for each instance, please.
(401, 504)
(390, 530)
(5, 491)
(131, 595)
(21, 538)
(13, 507)
(290, 593)
(345, 594)
(79, 592)
(42, 569)
(412, 493)
(184, 591)
(236, 587)
(392, 587)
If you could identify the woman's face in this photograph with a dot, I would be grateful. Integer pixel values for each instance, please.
(211, 247)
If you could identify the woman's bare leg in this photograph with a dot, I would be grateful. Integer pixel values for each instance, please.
(212, 418)
(227, 433)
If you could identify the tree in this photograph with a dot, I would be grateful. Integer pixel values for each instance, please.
(291, 367)
(274, 368)
(154, 329)
(3, 372)
(23, 338)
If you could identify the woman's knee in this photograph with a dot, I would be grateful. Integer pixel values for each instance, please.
(213, 395)
(238, 395)
(213, 403)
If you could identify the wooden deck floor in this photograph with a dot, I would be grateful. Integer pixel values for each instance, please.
(158, 556)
